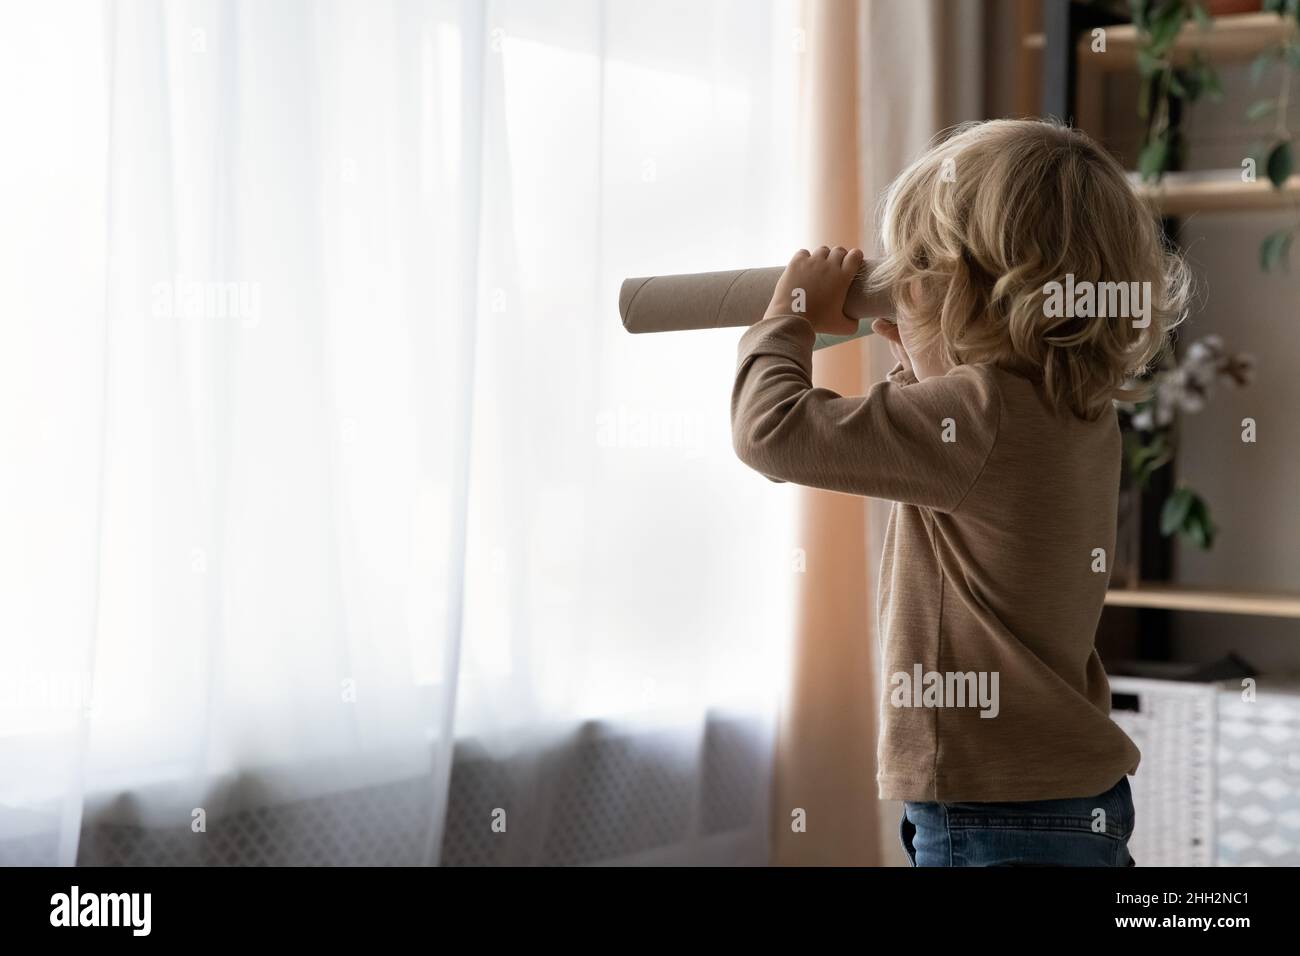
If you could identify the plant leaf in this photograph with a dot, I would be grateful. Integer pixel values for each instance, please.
(1140, 9)
(1187, 514)
(1175, 509)
(1164, 29)
(1259, 66)
(1148, 65)
(1209, 78)
(1274, 249)
(1260, 108)
(1151, 161)
(1279, 163)
(1198, 526)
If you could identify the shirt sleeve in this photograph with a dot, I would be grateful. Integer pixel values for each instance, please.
(922, 443)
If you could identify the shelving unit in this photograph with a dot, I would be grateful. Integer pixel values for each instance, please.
(1169, 597)
(1183, 194)
(1234, 38)
(1072, 77)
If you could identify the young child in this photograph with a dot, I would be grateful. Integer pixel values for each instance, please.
(997, 440)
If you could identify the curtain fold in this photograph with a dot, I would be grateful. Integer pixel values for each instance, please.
(52, 267)
(823, 810)
(878, 80)
(277, 600)
(627, 578)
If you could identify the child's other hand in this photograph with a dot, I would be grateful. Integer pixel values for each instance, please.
(889, 331)
(814, 285)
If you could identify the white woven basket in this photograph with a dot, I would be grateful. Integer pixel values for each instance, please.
(1174, 724)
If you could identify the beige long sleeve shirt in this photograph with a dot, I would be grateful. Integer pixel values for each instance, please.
(995, 565)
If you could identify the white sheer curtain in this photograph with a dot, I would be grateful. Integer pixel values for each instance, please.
(332, 459)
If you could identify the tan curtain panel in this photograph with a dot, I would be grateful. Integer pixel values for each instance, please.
(878, 79)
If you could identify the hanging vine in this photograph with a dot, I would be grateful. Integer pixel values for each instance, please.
(1276, 155)
(1166, 86)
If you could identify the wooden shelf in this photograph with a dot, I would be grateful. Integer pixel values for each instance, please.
(1235, 37)
(1179, 194)
(1172, 597)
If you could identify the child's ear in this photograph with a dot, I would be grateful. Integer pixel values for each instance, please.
(888, 330)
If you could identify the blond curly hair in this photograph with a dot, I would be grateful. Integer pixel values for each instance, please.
(978, 228)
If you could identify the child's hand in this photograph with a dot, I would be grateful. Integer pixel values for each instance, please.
(889, 331)
(814, 285)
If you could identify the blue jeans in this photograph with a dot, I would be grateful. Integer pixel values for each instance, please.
(1035, 833)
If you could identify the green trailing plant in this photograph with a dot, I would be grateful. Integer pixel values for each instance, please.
(1166, 87)
(1275, 155)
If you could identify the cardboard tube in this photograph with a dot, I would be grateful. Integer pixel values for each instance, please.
(716, 300)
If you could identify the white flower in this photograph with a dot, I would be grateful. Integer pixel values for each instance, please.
(1189, 385)
(1191, 402)
(1206, 350)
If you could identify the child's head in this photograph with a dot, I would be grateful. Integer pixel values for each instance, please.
(979, 228)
